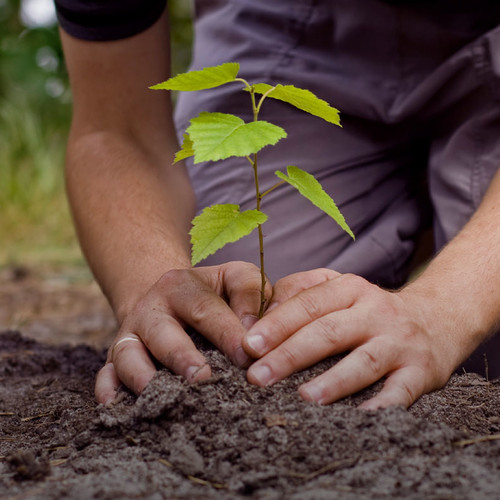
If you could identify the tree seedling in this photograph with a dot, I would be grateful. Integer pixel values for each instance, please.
(217, 136)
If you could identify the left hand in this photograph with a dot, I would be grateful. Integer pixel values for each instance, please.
(320, 313)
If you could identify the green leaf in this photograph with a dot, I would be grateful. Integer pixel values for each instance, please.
(302, 99)
(186, 150)
(206, 78)
(218, 225)
(217, 136)
(311, 189)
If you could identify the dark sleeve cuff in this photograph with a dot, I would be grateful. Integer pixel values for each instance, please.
(107, 19)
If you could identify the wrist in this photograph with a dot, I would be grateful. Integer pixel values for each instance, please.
(453, 320)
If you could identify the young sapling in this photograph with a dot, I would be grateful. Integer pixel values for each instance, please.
(217, 136)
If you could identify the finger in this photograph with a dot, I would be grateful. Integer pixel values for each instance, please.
(358, 370)
(331, 334)
(196, 304)
(106, 384)
(402, 388)
(302, 309)
(295, 283)
(168, 343)
(242, 283)
(131, 362)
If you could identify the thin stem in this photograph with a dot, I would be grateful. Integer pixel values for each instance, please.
(261, 240)
(252, 96)
(258, 197)
(263, 97)
(254, 107)
(272, 188)
(262, 273)
(247, 85)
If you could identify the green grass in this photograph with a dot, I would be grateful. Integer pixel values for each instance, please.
(35, 223)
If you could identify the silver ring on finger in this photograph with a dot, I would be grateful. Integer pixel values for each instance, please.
(131, 337)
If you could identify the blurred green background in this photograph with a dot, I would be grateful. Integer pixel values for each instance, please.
(35, 111)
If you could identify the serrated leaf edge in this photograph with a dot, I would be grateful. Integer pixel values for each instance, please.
(341, 219)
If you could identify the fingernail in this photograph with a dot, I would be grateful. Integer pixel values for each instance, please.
(192, 371)
(262, 374)
(369, 406)
(312, 392)
(249, 321)
(109, 401)
(241, 358)
(256, 343)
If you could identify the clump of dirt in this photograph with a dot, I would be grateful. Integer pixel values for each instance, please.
(227, 439)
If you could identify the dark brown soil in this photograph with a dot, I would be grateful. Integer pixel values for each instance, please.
(226, 439)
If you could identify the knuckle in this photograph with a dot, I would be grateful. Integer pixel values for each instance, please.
(173, 278)
(166, 352)
(115, 352)
(370, 361)
(171, 358)
(245, 277)
(243, 273)
(328, 329)
(200, 309)
(150, 332)
(240, 266)
(385, 307)
(310, 305)
(249, 284)
(408, 391)
(118, 349)
(143, 309)
(354, 279)
(357, 284)
(225, 342)
(326, 273)
(290, 358)
(280, 327)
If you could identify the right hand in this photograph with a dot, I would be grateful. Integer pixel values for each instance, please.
(220, 302)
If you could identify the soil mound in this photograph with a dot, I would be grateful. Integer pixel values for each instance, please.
(226, 439)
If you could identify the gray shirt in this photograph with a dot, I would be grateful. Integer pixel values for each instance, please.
(417, 87)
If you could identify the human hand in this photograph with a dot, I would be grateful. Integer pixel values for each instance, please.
(220, 302)
(316, 314)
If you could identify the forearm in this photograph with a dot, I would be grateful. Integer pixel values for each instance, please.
(131, 206)
(132, 211)
(459, 292)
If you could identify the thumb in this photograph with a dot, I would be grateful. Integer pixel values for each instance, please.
(243, 287)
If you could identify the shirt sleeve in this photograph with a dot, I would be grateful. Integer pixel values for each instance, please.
(102, 20)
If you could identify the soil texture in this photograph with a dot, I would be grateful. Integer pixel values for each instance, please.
(227, 439)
